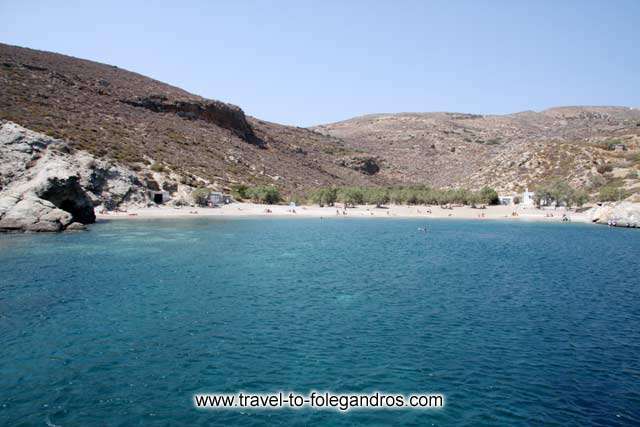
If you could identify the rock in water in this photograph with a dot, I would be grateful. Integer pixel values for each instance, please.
(76, 226)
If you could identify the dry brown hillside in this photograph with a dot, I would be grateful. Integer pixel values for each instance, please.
(508, 151)
(119, 114)
(115, 113)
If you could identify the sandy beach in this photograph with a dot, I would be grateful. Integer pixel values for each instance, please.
(391, 211)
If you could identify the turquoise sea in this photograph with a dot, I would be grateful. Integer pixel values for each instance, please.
(515, 323)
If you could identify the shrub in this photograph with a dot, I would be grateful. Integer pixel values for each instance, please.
(157, 167)
(376, 196)
(324, 196)
(612, 194)
(239, 192)
(557, 192)
(489, 196)
(351, 196)
(580, 197)
(264, 194)
(604, 168)
(200, 196)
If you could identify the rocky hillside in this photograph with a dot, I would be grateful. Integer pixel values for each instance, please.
(116, 114)
(588, 146)
(146, 125)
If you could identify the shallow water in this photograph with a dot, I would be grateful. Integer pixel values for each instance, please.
(516, 323)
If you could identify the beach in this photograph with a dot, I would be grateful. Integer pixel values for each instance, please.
(364, 211)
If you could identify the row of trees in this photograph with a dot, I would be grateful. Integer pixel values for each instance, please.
(260, 194)
(559, 193)
(412, 195)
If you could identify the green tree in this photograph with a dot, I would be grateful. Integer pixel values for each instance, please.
(580, 197)
(542, 195)
(239, 191)
(377, 196)
(561, 193)
(351, 196)
(612, 194)
(489, 196)
(264, 194)
(324, 196)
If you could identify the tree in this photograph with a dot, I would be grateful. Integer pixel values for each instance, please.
(377, 196)
(474, 199)
(580, 197)
(351, 196)
(264, 194)
(324, 196)
(612, 194)
(239, 191)
(542, 196)
(561, 193)
(489, 196)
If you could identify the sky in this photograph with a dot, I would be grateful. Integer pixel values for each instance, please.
(310, 62)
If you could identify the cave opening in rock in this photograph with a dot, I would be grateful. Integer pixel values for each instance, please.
(78, 213)
(70, 197)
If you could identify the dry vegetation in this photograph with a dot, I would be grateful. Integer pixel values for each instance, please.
(110, 112)
(576, 144)
(139, 121)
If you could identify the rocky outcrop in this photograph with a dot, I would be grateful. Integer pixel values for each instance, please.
(622, 214)
(30, 213)
(224, 115)
(109, 184)
(45, 187)
(363, 164)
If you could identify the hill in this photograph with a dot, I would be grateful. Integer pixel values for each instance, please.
(146, 125)
(577, 144)
(140, 122)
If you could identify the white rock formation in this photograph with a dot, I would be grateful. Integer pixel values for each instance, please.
(45, 187)
(622, 214)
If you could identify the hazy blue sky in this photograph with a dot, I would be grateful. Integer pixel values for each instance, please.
(304, 63)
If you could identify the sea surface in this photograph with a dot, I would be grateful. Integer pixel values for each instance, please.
(515, 323)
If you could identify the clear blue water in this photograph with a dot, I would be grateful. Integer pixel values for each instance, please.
(516, 323)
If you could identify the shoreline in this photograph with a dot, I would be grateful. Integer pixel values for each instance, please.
(252, 210)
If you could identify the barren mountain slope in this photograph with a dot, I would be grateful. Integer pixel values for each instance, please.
(115, 113)
(516, 150)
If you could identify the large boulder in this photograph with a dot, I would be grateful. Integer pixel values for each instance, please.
(32, 214)
(622, 214)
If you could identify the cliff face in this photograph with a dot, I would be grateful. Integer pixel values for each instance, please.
(226, 116)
